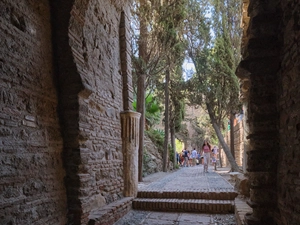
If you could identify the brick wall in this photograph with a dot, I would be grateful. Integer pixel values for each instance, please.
(87, 40)
(86, 75)
(238, 142)
(271, 62)
(31, 172)
(289, 106)
(261, 65)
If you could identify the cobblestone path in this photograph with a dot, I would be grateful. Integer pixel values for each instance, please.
(184, 179)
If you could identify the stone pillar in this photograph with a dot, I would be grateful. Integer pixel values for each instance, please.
(130, 142)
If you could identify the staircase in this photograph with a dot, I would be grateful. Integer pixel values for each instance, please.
(202, 200)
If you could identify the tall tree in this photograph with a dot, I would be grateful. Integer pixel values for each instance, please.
(171, 22)
(215, 60)
(167, 100)
(146, 57)
(142, 45)
(177, 103)
(155, 37)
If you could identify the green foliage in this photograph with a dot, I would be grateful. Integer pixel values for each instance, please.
(152, 110)
(145, 157)
(179, 145)
(215, 57)
(171, 153)
(179, 113)
(157, 137)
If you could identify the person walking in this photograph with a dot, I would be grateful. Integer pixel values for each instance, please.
(214, 156)
(190, 158)
(194, 156)
(186, 158)
(206, 150)
(182, 158)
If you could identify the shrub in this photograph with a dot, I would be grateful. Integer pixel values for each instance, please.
(157, 137)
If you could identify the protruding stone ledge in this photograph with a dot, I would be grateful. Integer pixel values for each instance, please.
(109, 214)
(241, 208)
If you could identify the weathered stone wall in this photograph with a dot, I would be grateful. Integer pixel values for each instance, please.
(261, 64)
(99, 113)
(238, 142)
(31, 171)
(82, 80)
(87, 41)
(272, 64)
(289, 107)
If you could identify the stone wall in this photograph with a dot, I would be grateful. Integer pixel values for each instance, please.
(289, 108)
(222, 156)
(65, 79)
(31, 168)
(238, 142)
(87, 40)
(271, 62)
(100, 141)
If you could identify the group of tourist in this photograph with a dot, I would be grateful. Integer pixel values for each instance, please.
(205, 156)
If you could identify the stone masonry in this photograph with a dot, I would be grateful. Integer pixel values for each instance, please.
(31, 168)
(238, 141)
(269, 75)
(288, 176)
(65, 79)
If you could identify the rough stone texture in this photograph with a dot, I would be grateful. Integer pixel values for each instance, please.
(31, 170)
(242, 185)
(271, 64)
(238, 142)
(152, 162)
(289, 106)
(241, 208)
(91, 56)
(87, 80)
(90, 38)
(110, 213)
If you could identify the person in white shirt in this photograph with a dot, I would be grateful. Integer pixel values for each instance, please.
(194, 156)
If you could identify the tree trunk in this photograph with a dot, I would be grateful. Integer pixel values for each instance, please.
(140, 102)
(140, 107)
(226, 149)
(232, 134)
(173, 144)
(165, 154)
(220, 157)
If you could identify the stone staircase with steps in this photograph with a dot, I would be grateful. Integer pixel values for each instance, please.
(202, 200)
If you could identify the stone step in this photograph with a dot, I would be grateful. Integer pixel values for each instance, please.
(110, 213)
(212, 194)
(241, 208)
(184, 205)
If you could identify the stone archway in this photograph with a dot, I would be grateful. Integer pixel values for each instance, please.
(91, 82)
